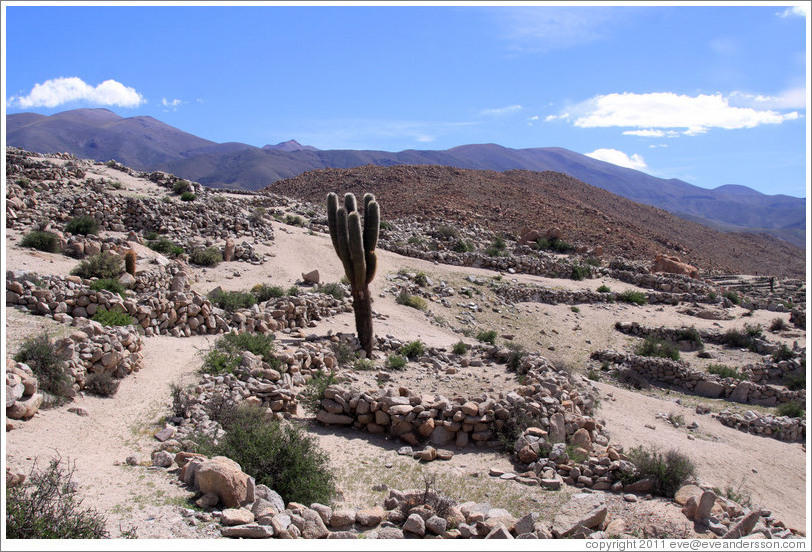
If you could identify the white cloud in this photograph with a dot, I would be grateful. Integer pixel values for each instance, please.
(545, 28)
(170, 103)
(63, 90)
(531, 121)
(795, 11)
(651, 133)
(499, 111)
(691, 115)
(617, 157)
(792, 98)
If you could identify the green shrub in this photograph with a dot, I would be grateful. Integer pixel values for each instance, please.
(226, 354)
(542, 244)
(669, 471)
(594, 375)
(631, 296)
(43, 241)
(460, 348)
(560, 246)
(413, 349)
(461, 246)
(795, 382)
(218, 362)
(778, 324)
(165, 246)
(181, 187)
(655, 347)
(264, 292)
(46, 507)
(415, 240)
(576, 310)
(40, 355)
(363, 364)
(604, 289)
(396, 362)
(732, 296)
(509, 430)
(102, 384)
(791, 409)
(514, 361)
(310, 397)
(210, 256)
(593, 261)
(335, 289)
(488, 336)
(293, 291)
(496, 248)
(579, 272)
(386, 225)
(83, 225)
(421, 279)
(104, 265)
(690, 334)
(232, 300)
(108, 284)
(413, 301)
(782, 353)
(725, 372)
(345, 353)
(447, 232)
(294, 220)
(188, 196)
(113, 317)
(257, 215)
(744, 339)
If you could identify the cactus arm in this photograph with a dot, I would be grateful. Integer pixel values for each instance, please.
(372, 225)
(332, 215)
(349, 203)
(372, 266)
(344, 244)
(356, 244)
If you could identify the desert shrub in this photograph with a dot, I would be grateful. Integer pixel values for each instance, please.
(560, 246)
(113, 317)
(791, 409)
(294, 220)
(496, 248)
(782, 353)
(261, 345)
(101, 265)
(631, 378)
(724, 371)
(345, 353)
(293, 291)
(462, 246)
(218, 362)
(594, 375)
(41, 240)
(102, 384)
(414, 301)
(335, 289)
(413, 349)
(593, 261)
(188, 196)
(778, 324)
(631, 296)
(514, 361)
(745, 338)
(181, 187)
(310, 397)
(108, 284)
(264, 292)
(363, 364)
(257, 215)
(576, 310)
(460, 348)
(447, 232)
(83, 225)
(396, 362)
(795, 382)
(488, 336)
(46, 507)
(508, 430)
(421, 279)
(604, 289)
(165, 246)
(690, 334)
(40, 355)
(416, 240)
(232, 300)
(732, 296)
(579, 272)
(542, 244)
(209, 256)
(669, 471)
(655, 347)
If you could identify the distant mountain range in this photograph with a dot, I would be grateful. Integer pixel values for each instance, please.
(148, 144)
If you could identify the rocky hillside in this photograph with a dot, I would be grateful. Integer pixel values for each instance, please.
(586, 215)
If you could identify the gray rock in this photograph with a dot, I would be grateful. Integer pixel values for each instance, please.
(250, 531)
(436, 525)
(744, 526)
(162, 459)
(709, 389)
(583, 510)
(415, 525)
(703, 509)
(262, 491)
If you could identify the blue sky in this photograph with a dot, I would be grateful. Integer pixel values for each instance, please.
(712, 95)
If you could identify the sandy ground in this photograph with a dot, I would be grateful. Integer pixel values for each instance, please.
(772, 472)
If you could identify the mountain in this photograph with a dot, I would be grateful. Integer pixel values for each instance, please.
(148, 144)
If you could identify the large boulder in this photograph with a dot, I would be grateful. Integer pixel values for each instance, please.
(224, 477)
(710, 389)
(673, 265)
(584, 510)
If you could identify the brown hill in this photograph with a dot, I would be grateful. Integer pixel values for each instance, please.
(507, 201)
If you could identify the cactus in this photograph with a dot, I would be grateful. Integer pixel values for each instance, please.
(129, 262)
(354, 242)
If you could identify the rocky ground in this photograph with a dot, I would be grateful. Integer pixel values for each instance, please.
(461, 301)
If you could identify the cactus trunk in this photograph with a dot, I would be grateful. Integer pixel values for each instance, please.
(362, 307)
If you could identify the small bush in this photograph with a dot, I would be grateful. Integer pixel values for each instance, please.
(257, 215)
(414, 240)
(104, 265)
(655, 347)
(310, 397)
(447, 232)
(165, 246)
(102, 384)
(791, 409)
(261, 345)
(188, 196)
(782, 353)
(509, 430)
(413, 349)
(576, 310)
(496, 248)
(669, 471)
(40, 355)
(488, 336)
(631, 296)
(181, 187)
(514, 361)
(43, 241)
(45, 507)
(82, 225)
(363, 364)
(795, 383)
(293, 291)
(218, 362)
(724, 371)
(108, 284)
(264, 292)
(594, 375)
(413, 301)
(461, 246)
(690, 334)
(560, 246)
(778, 324)
(232, 300)
(294, 220)
(460, 348)
(604, 289)
(113, 317)
(396, 362)
(386, 225)
(421, 279)
(732, 296)
(335, 289)
(210, 256)
(579, 272)
(744, 339)
(345, 353)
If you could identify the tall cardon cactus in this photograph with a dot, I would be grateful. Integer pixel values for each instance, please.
(354, 241)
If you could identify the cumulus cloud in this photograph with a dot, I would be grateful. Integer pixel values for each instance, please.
(792, 98)
(499, 111)
(170, 103)
(617, 157)
(55, 92)
(795, 11)
(691, 115)
(651, 133)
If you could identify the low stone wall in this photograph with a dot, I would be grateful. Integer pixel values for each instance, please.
(679, 374)
(518, 293)
(782, 428)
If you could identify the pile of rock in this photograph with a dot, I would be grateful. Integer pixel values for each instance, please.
(639, 274)
(22, 398)
(782, 428)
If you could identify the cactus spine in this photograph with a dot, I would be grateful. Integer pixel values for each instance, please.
(129, 262)
(354, 242)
